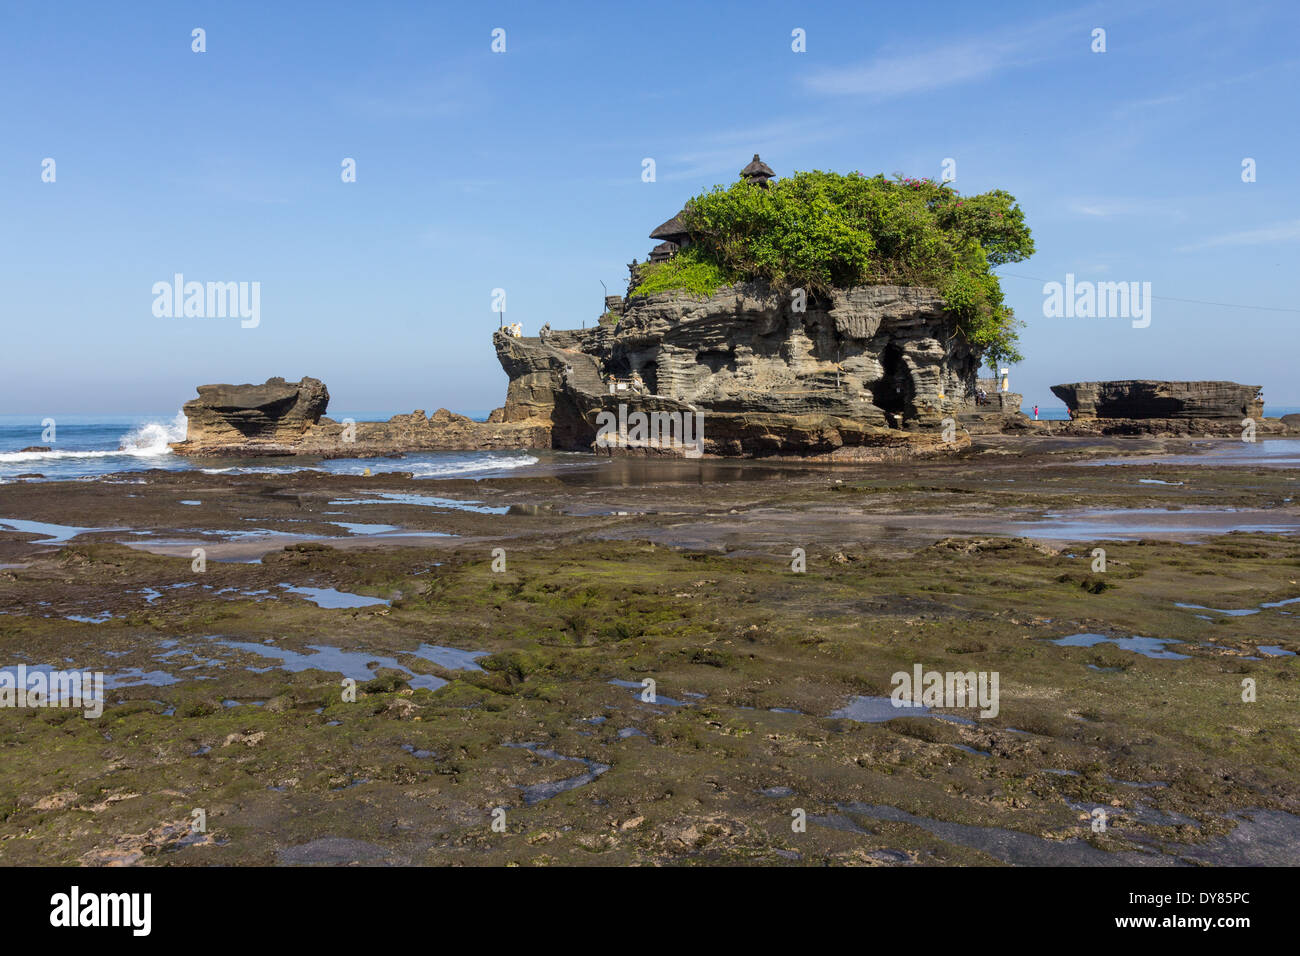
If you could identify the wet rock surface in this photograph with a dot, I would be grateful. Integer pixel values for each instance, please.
(618, 571)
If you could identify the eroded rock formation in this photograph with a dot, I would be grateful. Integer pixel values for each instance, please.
(274, 413)
(1143, 399)
(769, 378)
(286, 418)
(871, 372)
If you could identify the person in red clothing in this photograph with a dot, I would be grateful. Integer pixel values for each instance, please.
(1035, 413)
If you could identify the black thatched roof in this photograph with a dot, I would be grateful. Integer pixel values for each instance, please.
(757, 169)
(673, 230)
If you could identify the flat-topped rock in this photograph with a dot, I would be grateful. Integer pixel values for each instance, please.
(274, 412)
(1145, 398)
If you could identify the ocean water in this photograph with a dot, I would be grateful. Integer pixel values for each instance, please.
(91, 446)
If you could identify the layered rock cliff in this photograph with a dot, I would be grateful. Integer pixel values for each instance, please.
(767, 376)
(1142, 398)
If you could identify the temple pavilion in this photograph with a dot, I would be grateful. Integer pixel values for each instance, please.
(672, 235)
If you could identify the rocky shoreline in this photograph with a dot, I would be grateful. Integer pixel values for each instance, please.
(869, 374)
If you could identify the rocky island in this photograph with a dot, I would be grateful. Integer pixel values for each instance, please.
(781, 345)
(853, 358)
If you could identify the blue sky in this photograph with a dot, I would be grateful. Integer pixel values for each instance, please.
(478, 170)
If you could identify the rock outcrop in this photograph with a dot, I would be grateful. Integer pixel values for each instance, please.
(286, 418)
(876, 372)
(1145, 399)
(768, 378)
(441, 431)
(274, 413)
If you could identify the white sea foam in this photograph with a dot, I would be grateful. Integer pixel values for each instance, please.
(146, 441)
(417, 468)
(249, 470)
(431, 469)
(153, 438)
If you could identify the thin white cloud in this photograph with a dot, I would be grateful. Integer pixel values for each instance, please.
(1191, 91)
(1281, 232)
(1109, 208)
(953, 63)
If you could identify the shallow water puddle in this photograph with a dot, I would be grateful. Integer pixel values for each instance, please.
(354, 527)
(358, 665)
(1152, 647)
(1243, 612)
(131, 677)
(1238, 612)
(99, 618)
(424, 501)
(877, 710)
(331, 597)
(53, 533)
(1269, 453)
(538, 792)
(1132, 523)
(659, 698)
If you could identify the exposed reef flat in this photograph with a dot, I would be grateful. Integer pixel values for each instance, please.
(481, 689)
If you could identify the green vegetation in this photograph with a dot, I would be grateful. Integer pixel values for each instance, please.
(817, 230)
(691, 270)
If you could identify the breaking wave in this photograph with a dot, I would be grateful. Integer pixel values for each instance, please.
(149, 440)
(438, 469)
(153, 438)
(417, 464)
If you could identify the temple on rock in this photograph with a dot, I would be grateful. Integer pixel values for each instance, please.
(866, 372)
(672, 235)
